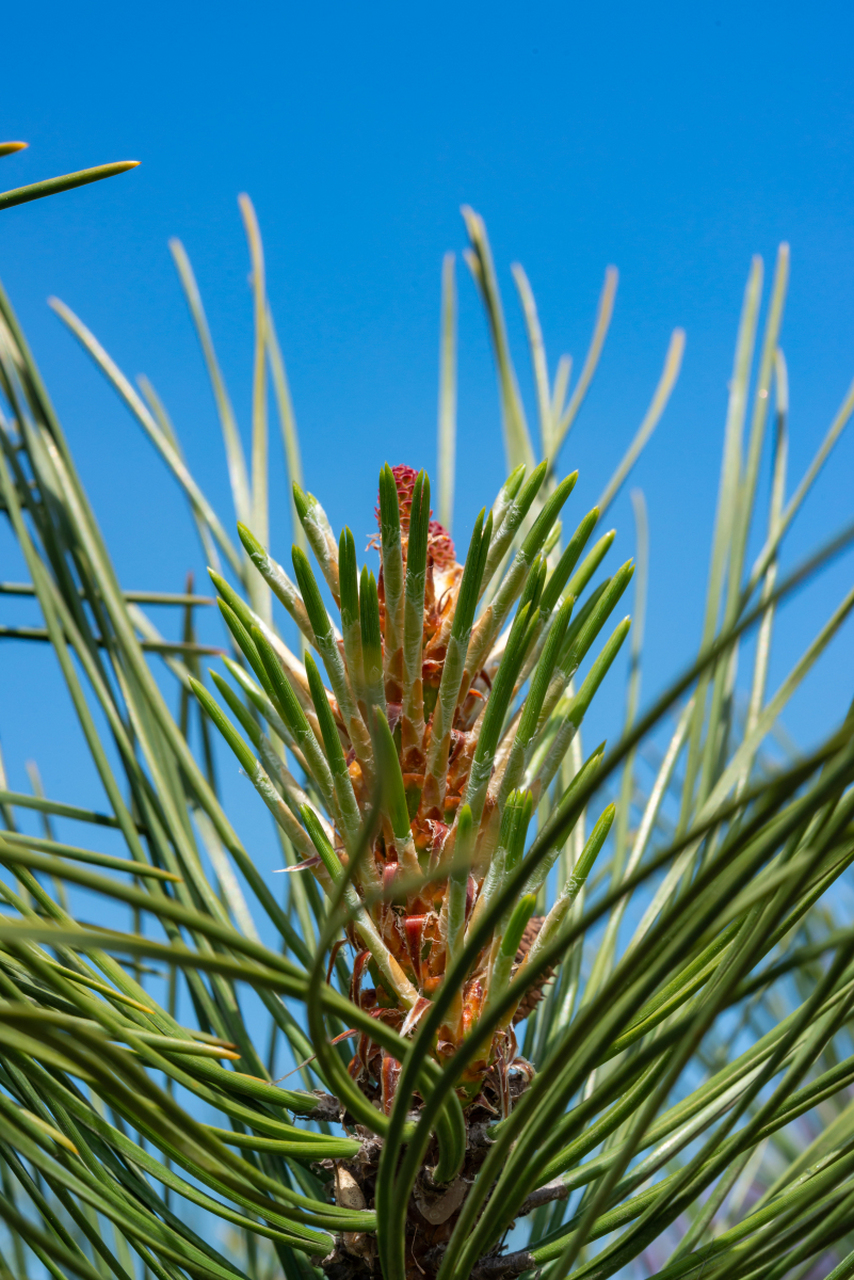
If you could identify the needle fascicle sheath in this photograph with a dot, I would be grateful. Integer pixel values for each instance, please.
(455, 660)
(277, 580)
(392, 553)
(254, 770)
(333, 659)
(320, 537)
(347, 808)
(527, 727)
(493, 617)
(371, 640)
(412, 717)
(395, 796)
(516, 499)
(362, 923)
(295, 718)
(351, 631)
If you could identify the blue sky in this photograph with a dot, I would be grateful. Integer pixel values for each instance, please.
(671, 140)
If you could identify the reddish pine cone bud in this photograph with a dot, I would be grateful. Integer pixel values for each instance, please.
(440, 547)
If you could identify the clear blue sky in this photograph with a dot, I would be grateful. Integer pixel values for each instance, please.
(673, 140)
